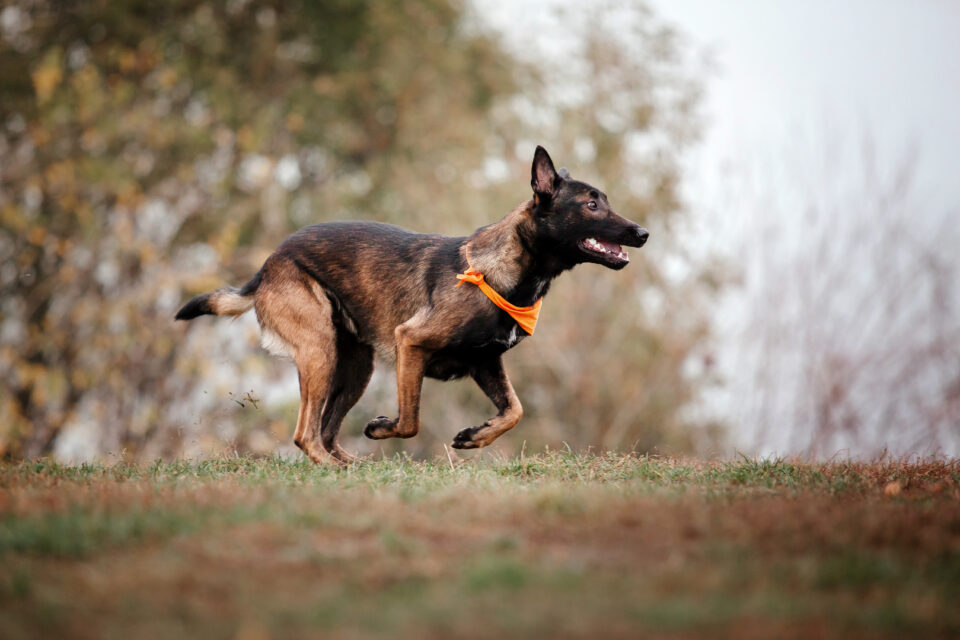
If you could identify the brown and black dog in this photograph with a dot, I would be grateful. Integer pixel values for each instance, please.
(334, 294)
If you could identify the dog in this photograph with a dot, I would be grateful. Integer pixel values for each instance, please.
(334, 295)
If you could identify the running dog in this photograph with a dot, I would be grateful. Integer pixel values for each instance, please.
(335, 294)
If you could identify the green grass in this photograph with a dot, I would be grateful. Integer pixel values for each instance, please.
(651, 472)
(547, 545)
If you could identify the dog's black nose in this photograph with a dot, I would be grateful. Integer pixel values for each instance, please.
(642, 235)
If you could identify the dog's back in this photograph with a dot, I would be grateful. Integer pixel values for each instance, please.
(375, 276)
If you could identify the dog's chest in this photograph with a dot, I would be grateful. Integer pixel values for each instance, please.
(512, 337)
(500, 331)
(497, 332)
(456, 360)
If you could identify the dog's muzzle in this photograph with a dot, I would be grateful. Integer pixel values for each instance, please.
(635, 237)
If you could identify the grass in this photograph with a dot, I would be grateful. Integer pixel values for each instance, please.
(557, 544)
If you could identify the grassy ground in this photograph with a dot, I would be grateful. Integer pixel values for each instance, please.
(552, 545)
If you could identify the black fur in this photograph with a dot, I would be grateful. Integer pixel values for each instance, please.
(251, 287)
(198, 306)
(203, 304)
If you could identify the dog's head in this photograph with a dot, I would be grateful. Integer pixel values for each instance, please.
(575, 220)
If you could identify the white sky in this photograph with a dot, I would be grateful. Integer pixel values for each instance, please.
(887, 67)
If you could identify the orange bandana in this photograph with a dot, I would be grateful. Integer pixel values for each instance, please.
(526, 317)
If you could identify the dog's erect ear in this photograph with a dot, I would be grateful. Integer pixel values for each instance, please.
(544, 178)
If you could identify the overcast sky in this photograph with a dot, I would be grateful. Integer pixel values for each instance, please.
(889, 67)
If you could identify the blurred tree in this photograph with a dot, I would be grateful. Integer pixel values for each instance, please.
(152, 150)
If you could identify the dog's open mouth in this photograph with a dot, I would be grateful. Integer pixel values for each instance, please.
(610, 252)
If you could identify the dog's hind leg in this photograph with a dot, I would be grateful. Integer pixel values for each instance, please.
(315, 363)
(308, 418)
(354, 368)
(296, 317)
(493, 380)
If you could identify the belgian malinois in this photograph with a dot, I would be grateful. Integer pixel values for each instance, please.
(334, 294)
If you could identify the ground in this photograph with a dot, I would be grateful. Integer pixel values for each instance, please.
(553, 545)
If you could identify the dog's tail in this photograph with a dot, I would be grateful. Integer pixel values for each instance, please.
(222, 302)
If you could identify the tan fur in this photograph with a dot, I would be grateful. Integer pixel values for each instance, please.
(290, 312)
(511, 411)
(496, 250)
(227, 302)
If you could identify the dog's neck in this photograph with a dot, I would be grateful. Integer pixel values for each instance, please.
(502, 253)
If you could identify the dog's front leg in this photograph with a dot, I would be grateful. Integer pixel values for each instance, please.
(493, 380)
(412, 358)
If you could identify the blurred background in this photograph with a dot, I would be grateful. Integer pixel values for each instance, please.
(796, 166)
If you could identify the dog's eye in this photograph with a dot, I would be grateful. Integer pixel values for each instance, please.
(592, 205)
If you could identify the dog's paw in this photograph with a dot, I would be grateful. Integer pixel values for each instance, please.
(343, 457)
(471, 438)
(380, 427)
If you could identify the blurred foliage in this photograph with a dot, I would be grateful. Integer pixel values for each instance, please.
(150, 151)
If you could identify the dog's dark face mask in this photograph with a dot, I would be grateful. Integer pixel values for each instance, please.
(575, 222)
